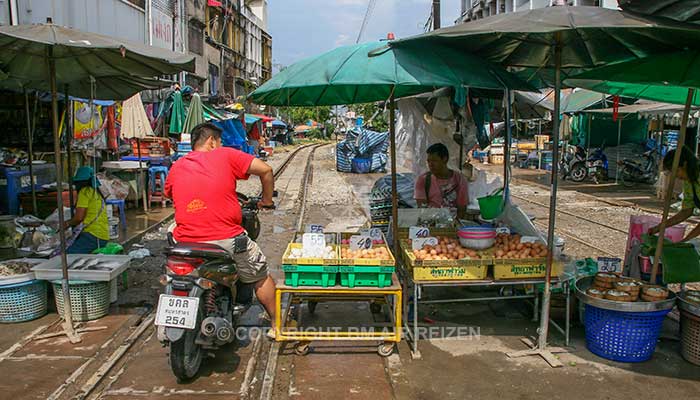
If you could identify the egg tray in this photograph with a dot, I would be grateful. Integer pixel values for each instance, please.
(486, 259)
(369, 261)
(287, 260)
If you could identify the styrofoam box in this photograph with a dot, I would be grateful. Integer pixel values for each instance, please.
(51, 269)
(12, 279)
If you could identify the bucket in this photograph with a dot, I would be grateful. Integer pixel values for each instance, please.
(361, 165)
(491, 206)
(113, 228)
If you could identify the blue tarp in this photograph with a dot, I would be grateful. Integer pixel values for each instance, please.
(362, 144)
(251, 119)
(234, 135)
(278, 124)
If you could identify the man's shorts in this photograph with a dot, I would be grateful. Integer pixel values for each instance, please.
(251, 264)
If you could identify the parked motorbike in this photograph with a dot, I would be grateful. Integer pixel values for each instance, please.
(203, 299)
(578, 166)
(646, 171)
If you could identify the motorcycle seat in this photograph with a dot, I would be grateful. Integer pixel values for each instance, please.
(206, 250)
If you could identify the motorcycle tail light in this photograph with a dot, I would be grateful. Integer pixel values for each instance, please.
(183, 265)
(180, 293)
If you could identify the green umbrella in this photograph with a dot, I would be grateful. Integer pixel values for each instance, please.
(665, 78)
(195, 114)
(372, 72)
(680, 10)
(79, 56)
(542, 44)
(177, 114)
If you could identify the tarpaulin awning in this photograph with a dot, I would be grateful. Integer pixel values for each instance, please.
(664, 78)
(251, 119)
(264, 118)
(680, 10)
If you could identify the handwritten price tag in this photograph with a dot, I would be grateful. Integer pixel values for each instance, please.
(314, 242)
(419, 243)
(312, 228)
(608, 264)
(374, 233)
(415, 232)
(360, 242)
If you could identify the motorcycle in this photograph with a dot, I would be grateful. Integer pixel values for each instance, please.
(647, 171)
(579, 166)
(203, 299)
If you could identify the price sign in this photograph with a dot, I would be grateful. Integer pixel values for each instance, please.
(360, 242)
(374, 233)
(419, 243)
(529, 239)
(312, 228)
(314, 242)
(415, 232)
(609, 264)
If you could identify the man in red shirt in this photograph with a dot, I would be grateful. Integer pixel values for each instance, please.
(202, 186)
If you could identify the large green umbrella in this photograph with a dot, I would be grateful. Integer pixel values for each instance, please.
(177, 113)
(195, 114)
(44, 56)
(372, 72)
(545, 43)
(665, 78)
(680, 10)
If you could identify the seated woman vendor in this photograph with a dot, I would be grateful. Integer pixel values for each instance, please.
(441, 187)
(689, 173)
(90, 214)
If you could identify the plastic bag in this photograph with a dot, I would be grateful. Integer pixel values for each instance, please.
(52, 220)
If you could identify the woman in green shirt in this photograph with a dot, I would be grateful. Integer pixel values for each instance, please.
(689, 173)
(90, 214)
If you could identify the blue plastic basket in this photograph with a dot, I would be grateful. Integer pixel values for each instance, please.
(22, 302)
(361, 165)
(622, 336)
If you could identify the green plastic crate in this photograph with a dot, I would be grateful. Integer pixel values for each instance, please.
(310, 275)
(365, 276)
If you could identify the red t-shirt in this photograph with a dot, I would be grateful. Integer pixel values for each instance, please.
(202, 186)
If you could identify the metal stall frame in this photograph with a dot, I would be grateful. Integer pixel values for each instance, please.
(286, 331)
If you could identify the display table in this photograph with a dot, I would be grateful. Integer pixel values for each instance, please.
(129, 171)
(286, 331)
(420, 286)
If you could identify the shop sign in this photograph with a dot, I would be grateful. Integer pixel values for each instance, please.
(162, 29)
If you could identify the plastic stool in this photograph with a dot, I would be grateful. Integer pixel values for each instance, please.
(153, 172)
(121, 204)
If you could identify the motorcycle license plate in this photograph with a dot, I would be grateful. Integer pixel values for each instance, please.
(177, 311)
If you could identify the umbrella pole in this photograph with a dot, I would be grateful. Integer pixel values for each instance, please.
(540, 349)
(30, 150)
(140, 183)
(669, 189)
(69, 145)
(67, 310)
(619, 134)
(394, 190)
(506, 161)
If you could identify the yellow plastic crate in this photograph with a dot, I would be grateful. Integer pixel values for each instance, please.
(309, 261)
(367, 261)
(485, 260)
(524, 269)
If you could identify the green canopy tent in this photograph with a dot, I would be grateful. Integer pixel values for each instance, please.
(47, 56)
(667, 76)
(544, 44)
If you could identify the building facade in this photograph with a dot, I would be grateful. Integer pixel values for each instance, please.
(228, 38)
(475, 9)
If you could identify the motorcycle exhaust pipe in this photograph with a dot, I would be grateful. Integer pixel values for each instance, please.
(211, 324)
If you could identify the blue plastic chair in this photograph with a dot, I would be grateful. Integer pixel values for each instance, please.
(121, 204)
(153, 172)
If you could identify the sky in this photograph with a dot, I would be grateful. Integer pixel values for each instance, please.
(305, 28)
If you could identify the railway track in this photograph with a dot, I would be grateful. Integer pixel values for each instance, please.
(580, 219)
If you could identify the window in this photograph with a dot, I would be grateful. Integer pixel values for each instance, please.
(195, 39)
(213, 79)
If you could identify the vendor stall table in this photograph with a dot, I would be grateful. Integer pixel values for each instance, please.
(420, 286)
(127, 169)
(316, 294)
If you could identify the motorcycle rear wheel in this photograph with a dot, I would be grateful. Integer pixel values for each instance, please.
(185, 355)
(627, 179)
